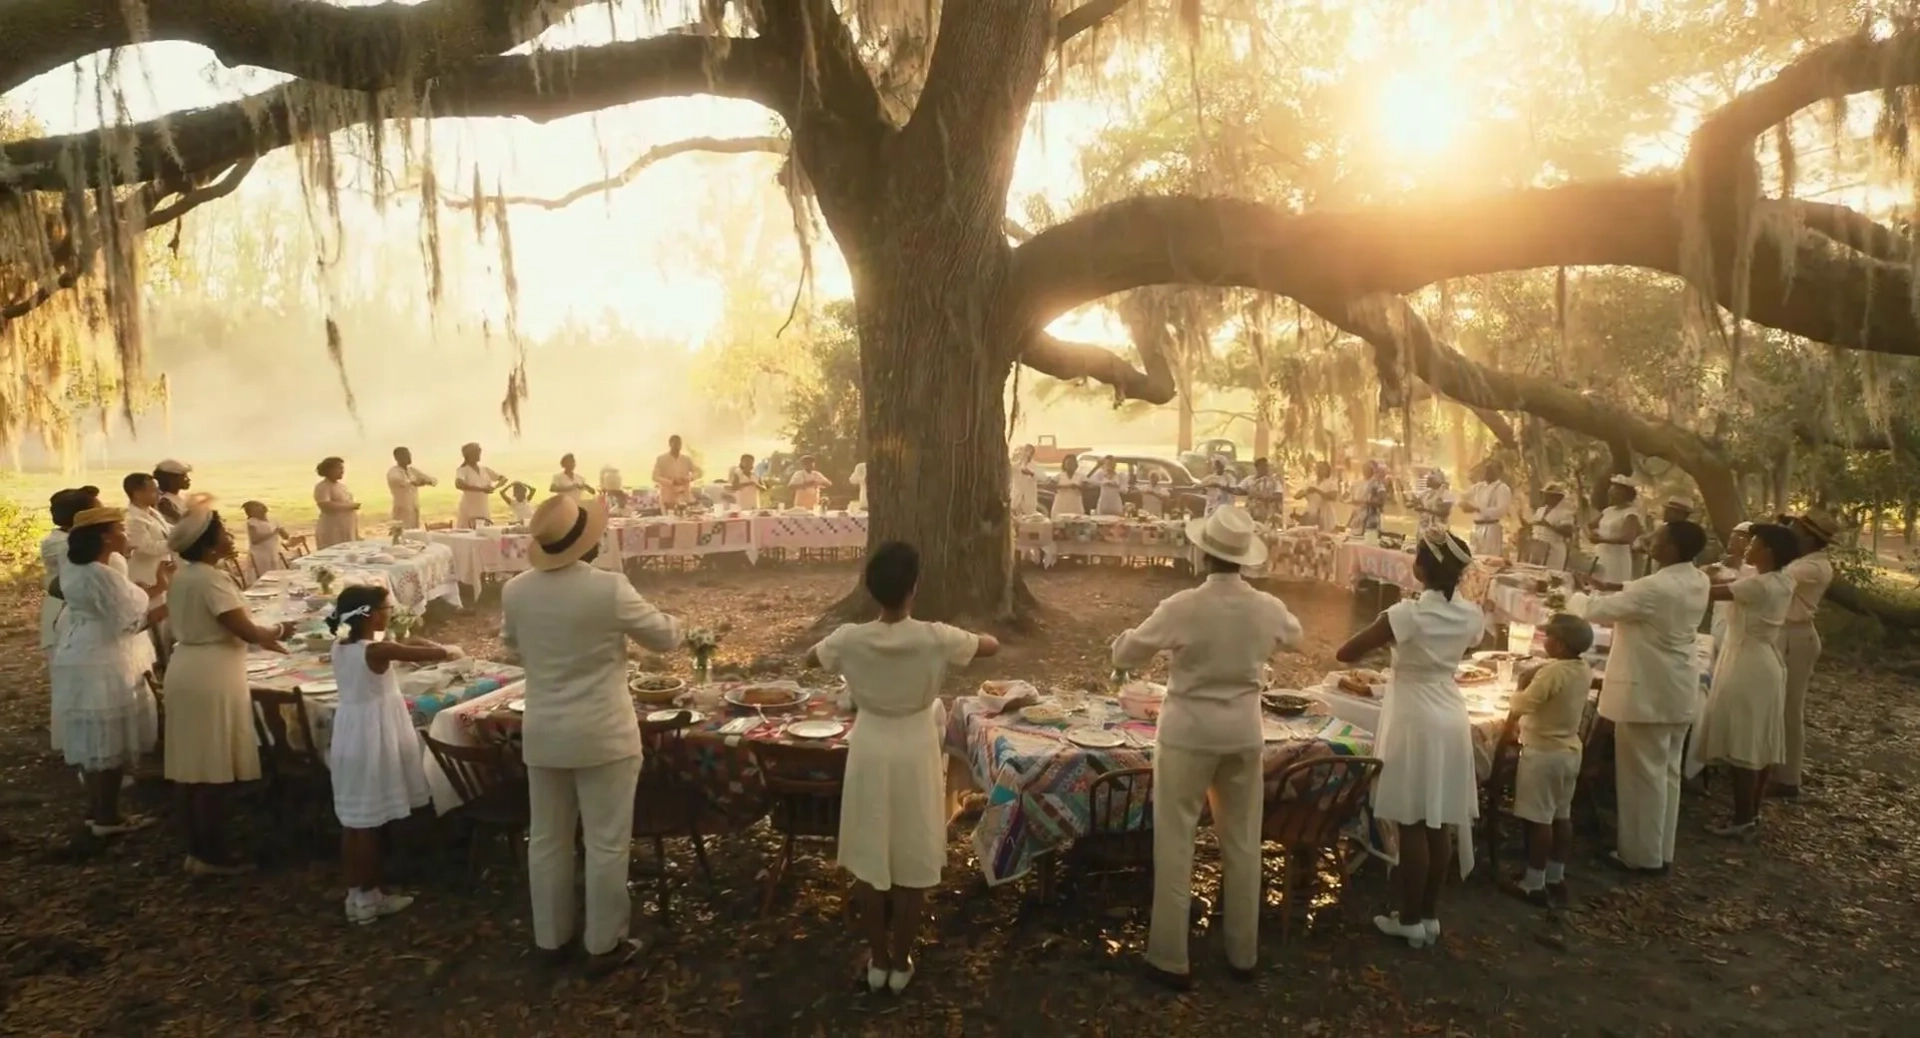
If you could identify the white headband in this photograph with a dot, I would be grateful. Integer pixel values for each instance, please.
(1440, 538)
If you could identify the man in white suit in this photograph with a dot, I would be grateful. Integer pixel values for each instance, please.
(1651, 692)
(568, 623)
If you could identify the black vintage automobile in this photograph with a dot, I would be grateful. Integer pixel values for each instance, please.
(1183, 491)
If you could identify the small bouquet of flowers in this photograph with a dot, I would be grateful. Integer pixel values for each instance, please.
(402, 624)
(702, 641)
(324, 577)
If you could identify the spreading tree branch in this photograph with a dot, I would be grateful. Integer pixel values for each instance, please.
(533, 87)
(658, 153)
(1070, 361)
(1086, 17)
(370, 47)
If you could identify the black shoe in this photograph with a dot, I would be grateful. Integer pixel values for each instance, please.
(1779, 791)
(1614, 859)
(1558, 896)
(1536, 898)
(1244, 976)
(1168, 979)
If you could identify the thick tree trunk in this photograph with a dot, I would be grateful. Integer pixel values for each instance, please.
(1262, 428)
(1183, 435)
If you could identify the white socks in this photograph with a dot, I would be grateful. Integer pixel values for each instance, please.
(1535, 879)
(1556, 872)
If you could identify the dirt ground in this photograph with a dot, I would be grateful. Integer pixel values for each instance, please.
(1813, 928)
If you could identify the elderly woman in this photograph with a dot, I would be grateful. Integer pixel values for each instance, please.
(339, 512)
(210, 743)
(102, 704)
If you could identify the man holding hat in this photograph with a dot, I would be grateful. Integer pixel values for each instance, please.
(1221, 635)
(1812, 574)
(568, 623)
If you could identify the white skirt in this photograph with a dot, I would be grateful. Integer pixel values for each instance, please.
(1426, 754)
(378, 773)
(1744, 721)
(893, 825)
(102, 719)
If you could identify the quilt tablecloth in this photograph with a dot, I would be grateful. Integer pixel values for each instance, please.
(839, 530)
(1037, 783)
(414, 573)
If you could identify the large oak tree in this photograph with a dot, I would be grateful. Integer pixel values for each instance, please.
(905, 117)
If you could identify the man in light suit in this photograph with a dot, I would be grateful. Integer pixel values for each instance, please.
(568, 623)
(1651, 692)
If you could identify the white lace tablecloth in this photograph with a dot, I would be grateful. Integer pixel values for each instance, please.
(495, 551)
(413, 573)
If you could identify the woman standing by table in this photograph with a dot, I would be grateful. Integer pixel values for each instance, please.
(339, 513)
(1023, 491)
(1425, 741)
(1744, 723)
(893, 823)
(103, 707)
(210, 741)
(1615, 531)
(1067, 499)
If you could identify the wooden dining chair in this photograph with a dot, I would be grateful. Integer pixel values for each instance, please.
(492, 786)
(1119, 836)
(804, 785)
(1312, 804)
(297, 545)
(666, 807)
(296, 774)
(232, 565)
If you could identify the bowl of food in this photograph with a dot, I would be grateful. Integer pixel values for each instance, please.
(1363, 683)
(1286, 704)
(656, 689)
(1043, 713)
(1473, 674)
(1142, 700)
(767, 697)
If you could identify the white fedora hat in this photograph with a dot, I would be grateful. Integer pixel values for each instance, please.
(1228, 534)
(564, 530)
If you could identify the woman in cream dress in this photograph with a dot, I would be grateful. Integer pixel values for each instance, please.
(1744, 723)
(1615, 531)
(1427, 783)
(893, 823)
(1067, 499)
(210, 742)
(339, 513)
(1023, 493)
(63, 506)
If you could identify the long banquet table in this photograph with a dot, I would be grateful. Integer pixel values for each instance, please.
(497, 551)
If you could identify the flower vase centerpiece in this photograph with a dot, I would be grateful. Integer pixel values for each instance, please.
(702, 642)
(325, 578)
(402, 624)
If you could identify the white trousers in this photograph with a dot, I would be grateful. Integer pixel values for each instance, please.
(1182, 781)
(1646, 774)
(598, 802)
(1800, 648)
(1489, 539)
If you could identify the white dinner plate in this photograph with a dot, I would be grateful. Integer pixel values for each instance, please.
(261, 666)
(314, 688)
(518, 706)
(1095, 738)
(667, 715)
(260, 592)
(815, 729)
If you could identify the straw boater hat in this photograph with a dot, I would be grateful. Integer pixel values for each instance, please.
(1683, 504)
(1228, 535)
(564, 530)
(1820, 524)
(99, 516)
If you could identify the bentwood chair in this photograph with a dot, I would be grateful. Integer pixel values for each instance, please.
(297, 545)
(296, 772)
(666, 806)
(1311, 806)
(492, 787)
(804, 784)
(1119, 836)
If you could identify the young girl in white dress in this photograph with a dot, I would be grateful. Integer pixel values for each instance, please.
(893, 823)
(1744, 723)
(264, 537)
(375, 759)
(1425, 740)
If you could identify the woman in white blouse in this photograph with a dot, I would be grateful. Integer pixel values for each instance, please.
(1322, 495)
(1427, 783)
(1107, 477)
(476, 484)
(1023, 492)
(807, 484)
(567, 481)
(744, 484)
(1744, 723)
(1219, 486)
(1615, 531)
(1067, 500)
(339, 513)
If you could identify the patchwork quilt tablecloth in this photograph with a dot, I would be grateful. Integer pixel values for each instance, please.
(1037, 782)
(838, 530)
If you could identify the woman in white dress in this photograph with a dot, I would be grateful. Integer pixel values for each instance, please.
(1744, 723)
(1219, 486)
(1730, 568)
(339, 520)
(63, 506)
(1425, 740)
(1107, 477)
(1067, 498)
(1023, 491)
(1615, 531)
(567, 481)
(1323, 494)
(104, 706)
(374, 760)
(893, 823)
(858, 479)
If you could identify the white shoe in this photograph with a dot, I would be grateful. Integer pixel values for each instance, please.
(897, 979)
(1736, 831)
(876, 977)
(1414, 934)
(128, 823)
(1432, 927)
(375, 906)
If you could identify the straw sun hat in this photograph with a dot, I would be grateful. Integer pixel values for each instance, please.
(1228, 535)
(564, 530)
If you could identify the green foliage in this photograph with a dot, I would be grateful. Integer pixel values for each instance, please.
(21, 529)
(823, 406)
